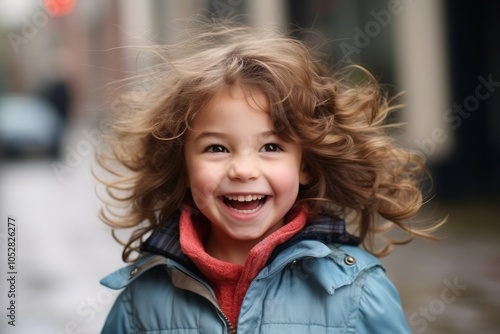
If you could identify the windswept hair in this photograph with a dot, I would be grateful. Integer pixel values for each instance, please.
(356, 171)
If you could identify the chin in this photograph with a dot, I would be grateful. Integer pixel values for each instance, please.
(245, 237)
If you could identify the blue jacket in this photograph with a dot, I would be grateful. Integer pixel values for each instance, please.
(308, 287)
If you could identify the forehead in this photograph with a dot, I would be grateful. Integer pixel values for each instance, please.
(230, 103)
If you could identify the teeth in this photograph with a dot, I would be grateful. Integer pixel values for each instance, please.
(247, 211)
(243, 198)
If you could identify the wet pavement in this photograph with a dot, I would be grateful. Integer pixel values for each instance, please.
(451, 286)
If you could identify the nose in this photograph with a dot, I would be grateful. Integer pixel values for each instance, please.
(243, 167)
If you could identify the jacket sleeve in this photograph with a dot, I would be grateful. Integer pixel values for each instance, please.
(380, 308)
(119, 317)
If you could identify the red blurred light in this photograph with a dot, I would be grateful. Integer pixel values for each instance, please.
(59, 7)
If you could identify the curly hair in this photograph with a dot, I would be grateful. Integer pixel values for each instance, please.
(356, 171)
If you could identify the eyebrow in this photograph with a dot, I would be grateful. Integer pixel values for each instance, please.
(206, 134)
(222, 135)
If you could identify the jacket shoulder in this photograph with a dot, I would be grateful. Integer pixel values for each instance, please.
(146, 263)
(354, 255)
(149, 297)
(378, 309)
(344, 265)
(127, 314)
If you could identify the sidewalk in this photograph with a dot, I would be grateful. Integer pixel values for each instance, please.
(453, 286)
(62, 250)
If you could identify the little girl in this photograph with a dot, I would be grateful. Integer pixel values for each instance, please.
(244, 165)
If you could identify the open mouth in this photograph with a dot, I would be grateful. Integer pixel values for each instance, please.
(245, 204)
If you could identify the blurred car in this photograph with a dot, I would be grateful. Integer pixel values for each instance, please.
(29, 126)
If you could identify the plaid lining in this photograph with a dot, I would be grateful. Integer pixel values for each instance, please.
(166, 242)
(327, 229)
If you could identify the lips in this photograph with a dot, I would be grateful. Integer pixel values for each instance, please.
(244, 204)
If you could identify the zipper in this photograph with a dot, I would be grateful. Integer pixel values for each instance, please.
(186, 281)
(231, 328)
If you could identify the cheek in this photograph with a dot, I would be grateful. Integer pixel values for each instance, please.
(202, 181)
(199, 177)
(286, 182)
(194, 171)
(202, 190)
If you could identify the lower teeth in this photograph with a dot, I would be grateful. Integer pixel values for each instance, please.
(246, 211)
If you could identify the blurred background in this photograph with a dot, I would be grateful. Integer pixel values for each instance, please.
(57, 56)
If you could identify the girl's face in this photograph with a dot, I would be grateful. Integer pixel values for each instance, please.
(242, 176)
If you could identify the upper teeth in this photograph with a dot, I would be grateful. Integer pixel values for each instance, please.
(244, 198)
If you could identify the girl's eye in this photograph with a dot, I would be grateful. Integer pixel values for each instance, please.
(216, 149)
(271, 147)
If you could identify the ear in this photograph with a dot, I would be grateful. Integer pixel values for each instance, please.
(304, 177)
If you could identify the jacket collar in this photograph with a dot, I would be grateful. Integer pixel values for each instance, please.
(310, 258)
(326, 236)
(326, 229)
(166, 242)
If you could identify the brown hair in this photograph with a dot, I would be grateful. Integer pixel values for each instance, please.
(355, 169)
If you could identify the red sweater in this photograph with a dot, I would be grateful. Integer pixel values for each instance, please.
(228, 280)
